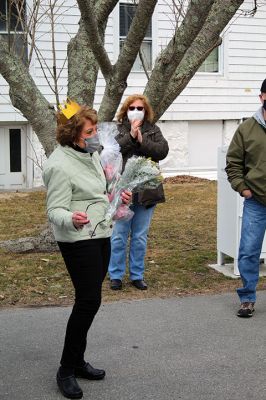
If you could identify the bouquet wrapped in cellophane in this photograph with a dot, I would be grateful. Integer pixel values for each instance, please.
(111, 158)
(140, 173)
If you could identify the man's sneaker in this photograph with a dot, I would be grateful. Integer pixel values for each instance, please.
(246, 310)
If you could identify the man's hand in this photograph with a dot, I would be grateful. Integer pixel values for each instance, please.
(246, 193)
(79, 219)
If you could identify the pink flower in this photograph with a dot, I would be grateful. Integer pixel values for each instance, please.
(123, 212)
(109, 172)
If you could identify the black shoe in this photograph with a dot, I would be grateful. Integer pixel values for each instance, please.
(69, 387)
(116, 284)
(140, 284)
(246, 310)
(88, 372)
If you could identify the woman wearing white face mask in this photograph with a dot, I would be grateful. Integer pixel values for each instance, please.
(137, 136)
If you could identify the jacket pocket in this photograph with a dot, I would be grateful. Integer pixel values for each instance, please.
(95, 211)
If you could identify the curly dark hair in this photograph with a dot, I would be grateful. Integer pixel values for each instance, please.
(68, 133)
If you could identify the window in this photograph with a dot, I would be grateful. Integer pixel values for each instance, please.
(126, 15)
(211, 64)
(12, 18)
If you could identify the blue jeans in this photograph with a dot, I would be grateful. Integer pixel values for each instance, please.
(252, 234)
(138, 227)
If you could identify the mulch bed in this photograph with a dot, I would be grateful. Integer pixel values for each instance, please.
(184, 179)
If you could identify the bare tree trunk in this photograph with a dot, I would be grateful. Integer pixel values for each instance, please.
(27, 98)
(82, 69)
(117, 82)
(82, 64)
(44, 242)
(116, 76)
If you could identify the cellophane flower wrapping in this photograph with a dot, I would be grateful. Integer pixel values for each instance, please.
(111, 158)
(140, 173)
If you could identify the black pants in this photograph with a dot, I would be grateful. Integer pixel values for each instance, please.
(87, 263)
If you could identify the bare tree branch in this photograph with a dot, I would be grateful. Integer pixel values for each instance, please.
(172, 55)
(82, 69)
(44, 66)
(206, 41)
(36, 161)
(82, 64)
(27, 98)
(96, 42)
(54, 68)
(178, 7)
(136, 34)
(143, 62)
(117, 83)
(31, 27)
(103, 9)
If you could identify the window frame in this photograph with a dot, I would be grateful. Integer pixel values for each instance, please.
(11, 31)
(220, 71)
(16, 33)
(117, 37)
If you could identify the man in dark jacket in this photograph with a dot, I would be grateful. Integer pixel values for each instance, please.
(246, 171)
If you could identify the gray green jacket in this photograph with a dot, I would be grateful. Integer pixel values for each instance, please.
(246, 157)
(75, 181)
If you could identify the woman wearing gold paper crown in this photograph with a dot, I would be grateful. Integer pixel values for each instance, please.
(76, 199)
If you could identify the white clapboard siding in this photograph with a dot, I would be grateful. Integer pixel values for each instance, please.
(230, 94)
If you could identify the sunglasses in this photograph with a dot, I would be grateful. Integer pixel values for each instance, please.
(132, 108)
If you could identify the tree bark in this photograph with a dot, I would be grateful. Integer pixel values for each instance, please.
(95, 37)
(208, 38)
(44, 242)
(82, 64)
(171, 56)
(82, 69)
(117, 82)
(27, 98)
(103, 9)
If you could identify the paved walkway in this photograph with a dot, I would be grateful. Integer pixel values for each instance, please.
(191, 348)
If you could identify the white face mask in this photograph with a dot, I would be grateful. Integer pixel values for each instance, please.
(135, 115)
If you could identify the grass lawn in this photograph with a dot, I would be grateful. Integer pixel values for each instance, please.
(182, 242)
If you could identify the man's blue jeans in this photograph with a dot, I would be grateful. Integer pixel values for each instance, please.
(138, 227)
(252, 234)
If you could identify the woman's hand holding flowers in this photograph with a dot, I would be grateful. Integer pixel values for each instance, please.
(139, 174)
(126, 196)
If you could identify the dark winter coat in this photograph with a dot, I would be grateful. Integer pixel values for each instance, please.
(153, 146)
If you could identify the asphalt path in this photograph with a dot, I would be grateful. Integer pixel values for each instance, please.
(191, 348)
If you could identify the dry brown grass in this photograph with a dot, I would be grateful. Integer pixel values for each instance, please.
(182, 242)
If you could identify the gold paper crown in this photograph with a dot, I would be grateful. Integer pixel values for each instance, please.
(67, 110)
